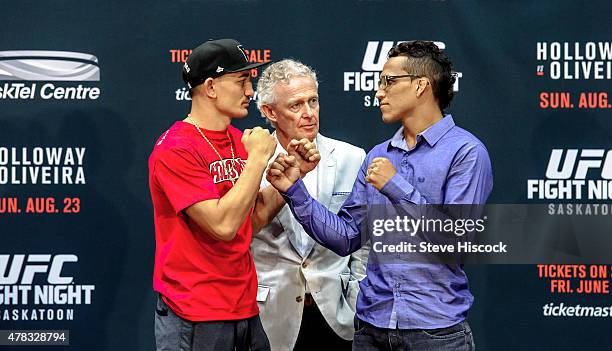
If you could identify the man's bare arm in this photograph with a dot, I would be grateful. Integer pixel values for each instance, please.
(268, 204)
(222, 217)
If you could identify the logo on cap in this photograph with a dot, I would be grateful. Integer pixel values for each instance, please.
(242, 51)
(219, 69)
(187, 69)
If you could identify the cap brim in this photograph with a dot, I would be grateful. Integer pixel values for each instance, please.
(249, 67)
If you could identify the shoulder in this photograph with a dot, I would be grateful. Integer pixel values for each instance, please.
(174, 142)
(465, 140)
(234, 131)
(467, 146)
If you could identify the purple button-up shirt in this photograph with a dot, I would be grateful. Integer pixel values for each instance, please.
(448, 165)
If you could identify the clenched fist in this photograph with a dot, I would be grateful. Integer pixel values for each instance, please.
(258, 143)
(306, 154)
(380, 171)
(283, 172)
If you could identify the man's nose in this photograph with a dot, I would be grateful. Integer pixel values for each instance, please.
(308, 111)
(248, 91)
(380, 94)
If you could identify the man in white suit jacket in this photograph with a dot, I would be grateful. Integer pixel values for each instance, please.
(307, 293)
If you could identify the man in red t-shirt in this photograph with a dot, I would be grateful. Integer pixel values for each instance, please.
(204, 178)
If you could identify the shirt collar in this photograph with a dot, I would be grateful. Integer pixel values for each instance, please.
(279, 147)
(431, 135)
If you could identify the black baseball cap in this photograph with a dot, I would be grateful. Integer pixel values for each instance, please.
(215, 58)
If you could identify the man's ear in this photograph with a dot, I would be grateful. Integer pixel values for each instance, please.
(422, 84)
(270, 114)
(208, 88)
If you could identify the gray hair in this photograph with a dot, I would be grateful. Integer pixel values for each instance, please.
(281, 71)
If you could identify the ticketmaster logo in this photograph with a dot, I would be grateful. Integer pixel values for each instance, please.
(561, 310)
(48, 66)
(18, 67)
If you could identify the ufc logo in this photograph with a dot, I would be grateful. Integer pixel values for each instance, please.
(374, 64)
(589, 158)
(34, 264)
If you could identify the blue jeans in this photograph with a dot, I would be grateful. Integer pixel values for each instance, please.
(453, 338)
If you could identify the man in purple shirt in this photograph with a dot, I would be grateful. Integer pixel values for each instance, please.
(404, 305)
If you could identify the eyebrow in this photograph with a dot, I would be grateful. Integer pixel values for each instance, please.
(246, 74)
(294, 100)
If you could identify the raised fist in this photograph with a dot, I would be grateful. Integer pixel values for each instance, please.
(283, 172)
(258, 143)
(306, 154)
(380, 171)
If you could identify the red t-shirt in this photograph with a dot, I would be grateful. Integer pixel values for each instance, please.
(200, 277)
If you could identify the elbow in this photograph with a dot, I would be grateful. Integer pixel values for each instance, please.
(341, 244)
(227, 238)
(342, 251)
(223, 233)
(349, 246)
(213, 225)
(226, 234)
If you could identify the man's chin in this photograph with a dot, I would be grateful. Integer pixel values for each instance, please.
(311, 135)
(387, 119)
(241, 114)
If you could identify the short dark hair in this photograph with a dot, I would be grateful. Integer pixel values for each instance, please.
(426, 59)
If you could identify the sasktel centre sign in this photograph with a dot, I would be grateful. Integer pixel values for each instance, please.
(23, 75)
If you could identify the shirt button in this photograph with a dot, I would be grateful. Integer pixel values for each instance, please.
(299, 299)
(397, 285)
(304, 264)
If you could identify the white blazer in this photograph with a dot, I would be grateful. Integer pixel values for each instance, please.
(282, 272)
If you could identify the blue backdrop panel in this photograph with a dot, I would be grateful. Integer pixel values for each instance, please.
(87, 87)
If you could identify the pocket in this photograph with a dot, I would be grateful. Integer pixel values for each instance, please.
(262, 293)
(469, 337)
(359, 325)
(171, 331)
(161, 309)
(457, 330)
